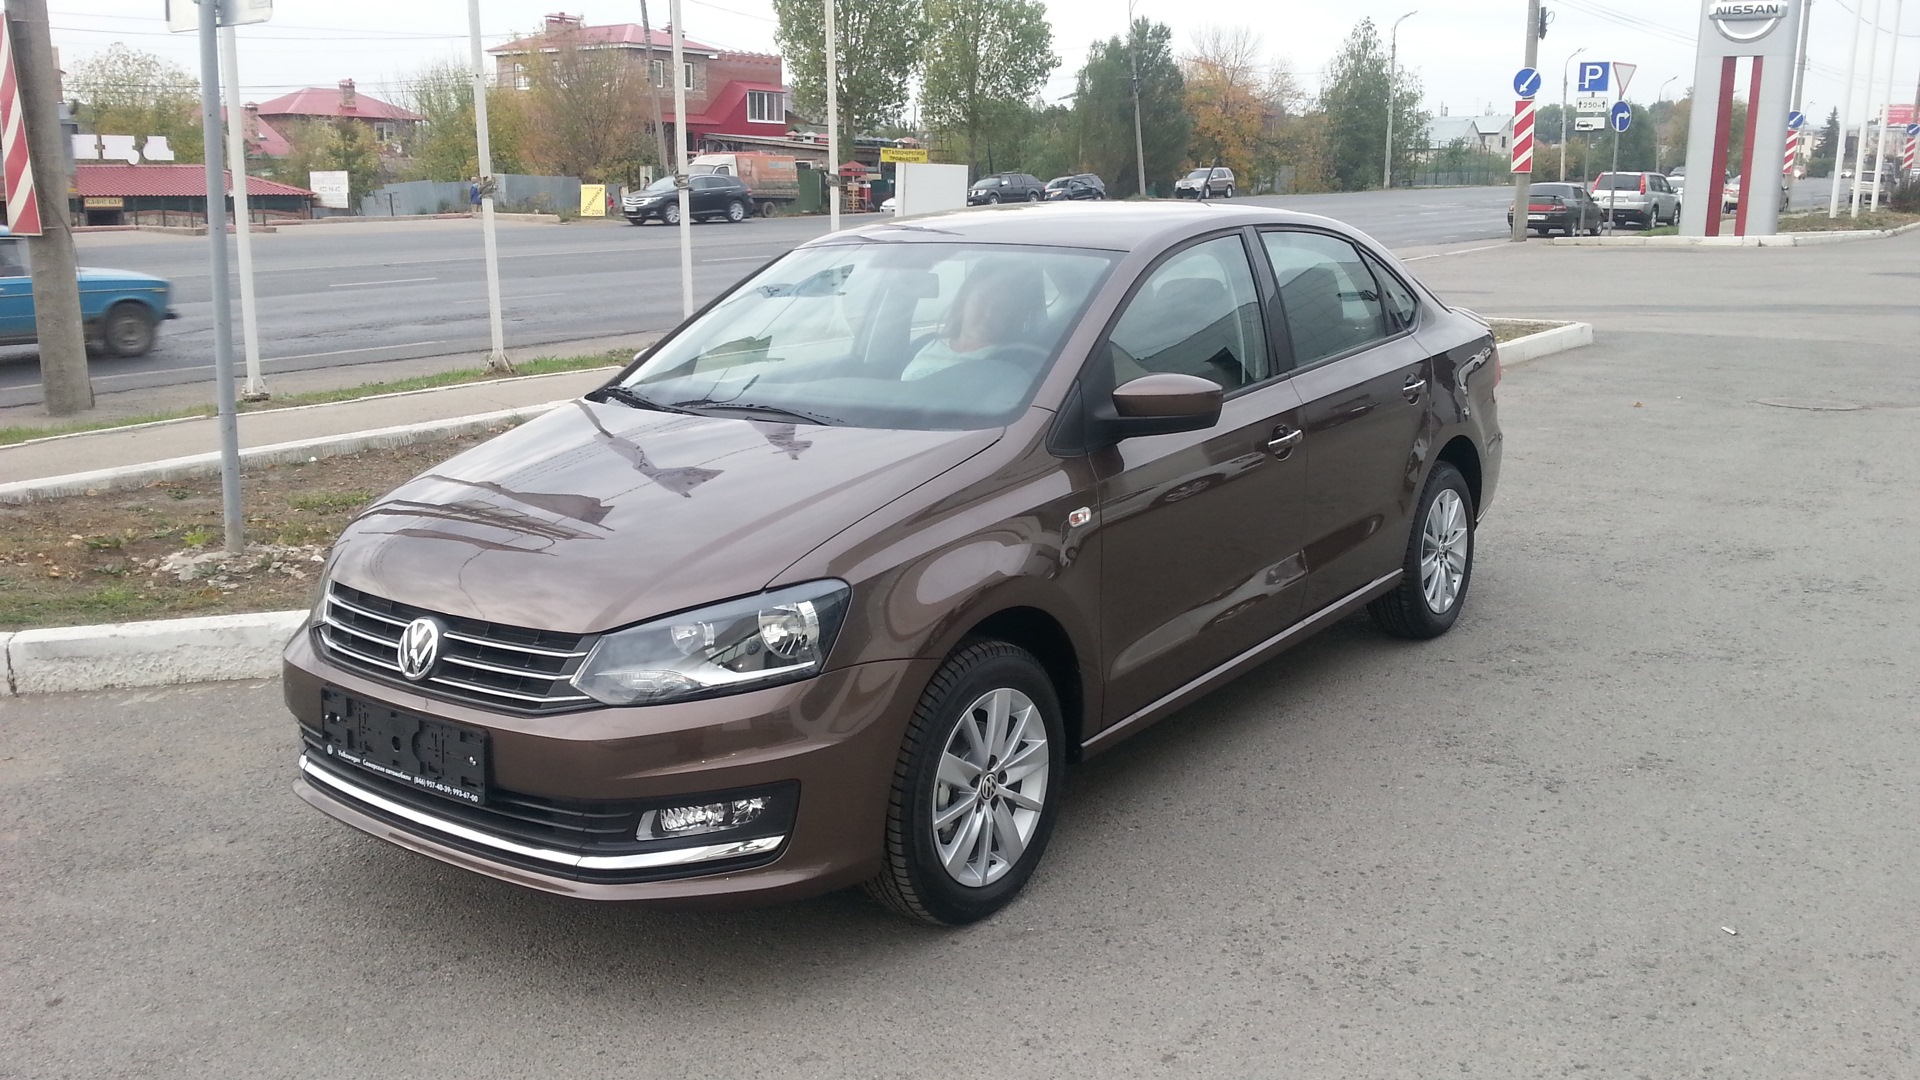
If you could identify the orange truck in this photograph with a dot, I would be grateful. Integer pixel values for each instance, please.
(772, 179)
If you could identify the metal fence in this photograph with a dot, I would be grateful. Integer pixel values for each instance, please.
(513, 193)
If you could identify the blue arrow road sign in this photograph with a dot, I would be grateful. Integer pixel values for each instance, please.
(1594, 76)
(1526, 83)
(1621, 116)
(1796, 121)
(1913, 131)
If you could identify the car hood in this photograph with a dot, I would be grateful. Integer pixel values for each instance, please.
(596, 516)
(102, 278)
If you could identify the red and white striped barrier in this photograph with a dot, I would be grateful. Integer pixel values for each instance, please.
(23, 207)
(1793, 152)
(1523, 136)
(1913, 143)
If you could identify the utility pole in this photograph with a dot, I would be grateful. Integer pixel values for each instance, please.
(1846, 121)
(1393, 98)
(1524, 180)
(833, 122)
(653, 91)
(1564, 69)
(483, 155)
(64, 386)
(243, 233)
(222, 286)
(1133, 66)
(1893, 61)
(681, 180)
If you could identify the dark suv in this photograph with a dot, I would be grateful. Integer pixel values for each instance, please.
(708, 197)
(1006, 187)
(831, 585)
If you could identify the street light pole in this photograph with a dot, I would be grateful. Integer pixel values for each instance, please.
(1524, 180)
(1564, 70)
(1133, 66)
(1393, 63)
(1657, 99)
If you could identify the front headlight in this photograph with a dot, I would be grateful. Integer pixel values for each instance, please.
(728, 648)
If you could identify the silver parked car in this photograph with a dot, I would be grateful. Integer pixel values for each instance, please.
(1644, 198)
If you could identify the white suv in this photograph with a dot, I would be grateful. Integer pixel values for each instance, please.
(1642, 197)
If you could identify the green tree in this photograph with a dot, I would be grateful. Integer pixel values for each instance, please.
(124, 91)
(982, 63)
(1357, 98)
(585, 111)
(1829, 146)
(442, 146)
(328, 146)
(1103, 105)
(878, 53)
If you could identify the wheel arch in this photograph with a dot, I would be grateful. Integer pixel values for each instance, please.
(1039, 633)
(1463, 455)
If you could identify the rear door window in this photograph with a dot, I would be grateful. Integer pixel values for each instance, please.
(1332, 304)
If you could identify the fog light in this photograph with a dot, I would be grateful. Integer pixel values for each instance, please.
(705, 818)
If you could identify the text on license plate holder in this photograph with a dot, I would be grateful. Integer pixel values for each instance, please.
(429, 755)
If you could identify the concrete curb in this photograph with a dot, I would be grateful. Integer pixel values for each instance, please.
(161, 653)
(1813, 239)
(1545, 343)
(208, 464)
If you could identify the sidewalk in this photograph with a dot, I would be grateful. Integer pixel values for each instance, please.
(114, 448)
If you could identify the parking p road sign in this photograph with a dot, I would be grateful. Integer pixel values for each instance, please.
(1594, 76)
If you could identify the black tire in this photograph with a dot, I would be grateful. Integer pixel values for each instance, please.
(636, 221)
(993, 197)
(766, 209)
(913, 882)
(127, 330)
(736, 212)
(1404, 612)
(1229, 192)
(1034, 196)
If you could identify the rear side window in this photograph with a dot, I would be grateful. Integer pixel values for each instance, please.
(1198, 314)
(1403, 309)
(1332, 304)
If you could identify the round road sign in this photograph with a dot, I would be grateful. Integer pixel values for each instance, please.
(1621, 116)
(1796, 120)
(1526, 83)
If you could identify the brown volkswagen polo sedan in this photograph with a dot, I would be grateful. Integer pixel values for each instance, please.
(831, 585)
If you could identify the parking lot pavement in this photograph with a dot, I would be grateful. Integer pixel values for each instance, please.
(1648, 811)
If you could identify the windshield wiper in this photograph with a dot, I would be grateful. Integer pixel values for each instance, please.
(629, 398)
(801, 415)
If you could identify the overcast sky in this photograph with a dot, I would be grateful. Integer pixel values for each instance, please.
(1464, 50)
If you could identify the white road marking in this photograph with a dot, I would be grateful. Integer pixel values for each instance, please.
(504, 299)
(388, 281)
(1444, 254)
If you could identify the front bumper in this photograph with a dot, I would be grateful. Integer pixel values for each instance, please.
(837, 737)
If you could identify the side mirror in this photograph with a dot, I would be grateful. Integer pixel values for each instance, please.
(1161, 404)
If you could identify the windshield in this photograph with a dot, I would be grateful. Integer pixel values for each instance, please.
(665, 183)
(880, 335)
(1617, 182)
(1201, 174)
(991, 181)
(1058, 183)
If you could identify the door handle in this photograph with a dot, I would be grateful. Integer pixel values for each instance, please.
(1415, 384)
(1284, 440)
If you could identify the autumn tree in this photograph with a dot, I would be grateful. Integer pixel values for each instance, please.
(341, 145)
(442, 146)
(878, 54)
(585, 111)
(124, 91)
(1103, 105)
(1224, 83)
(983, 62)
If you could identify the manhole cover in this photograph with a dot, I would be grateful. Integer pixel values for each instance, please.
(1812, 404)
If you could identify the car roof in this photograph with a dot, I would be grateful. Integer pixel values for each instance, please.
(1111, 226)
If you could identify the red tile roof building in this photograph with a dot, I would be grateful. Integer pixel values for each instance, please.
(389, 122)
(164, 182)
(729, 93)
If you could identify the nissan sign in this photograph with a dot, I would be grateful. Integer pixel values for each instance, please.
(1747, 20)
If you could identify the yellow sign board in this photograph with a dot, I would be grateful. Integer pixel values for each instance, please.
(104, 204)
(593, 200)
(898, 154)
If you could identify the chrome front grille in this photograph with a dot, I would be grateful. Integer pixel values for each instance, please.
(483, 663)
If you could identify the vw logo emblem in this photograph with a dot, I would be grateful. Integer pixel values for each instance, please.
(419, 648)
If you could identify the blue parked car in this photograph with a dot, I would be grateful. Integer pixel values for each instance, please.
(122, 310)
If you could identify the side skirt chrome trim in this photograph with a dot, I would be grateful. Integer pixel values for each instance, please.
(646, 861)
(1201, 684)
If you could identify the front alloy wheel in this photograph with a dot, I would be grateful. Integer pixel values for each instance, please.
(670, 215)
(971, 810)
(1439, 562)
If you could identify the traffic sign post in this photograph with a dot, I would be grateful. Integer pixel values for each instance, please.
(1620, 118)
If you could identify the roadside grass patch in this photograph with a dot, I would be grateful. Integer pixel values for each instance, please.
(1868, 221)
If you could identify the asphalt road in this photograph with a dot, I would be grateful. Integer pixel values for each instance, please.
(1649, 811)
(340, 295)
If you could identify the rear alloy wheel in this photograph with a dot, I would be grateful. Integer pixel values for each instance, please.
(976, 787)
(736, 212)
(128, 330)
(1229, 193)
(1439, 562)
